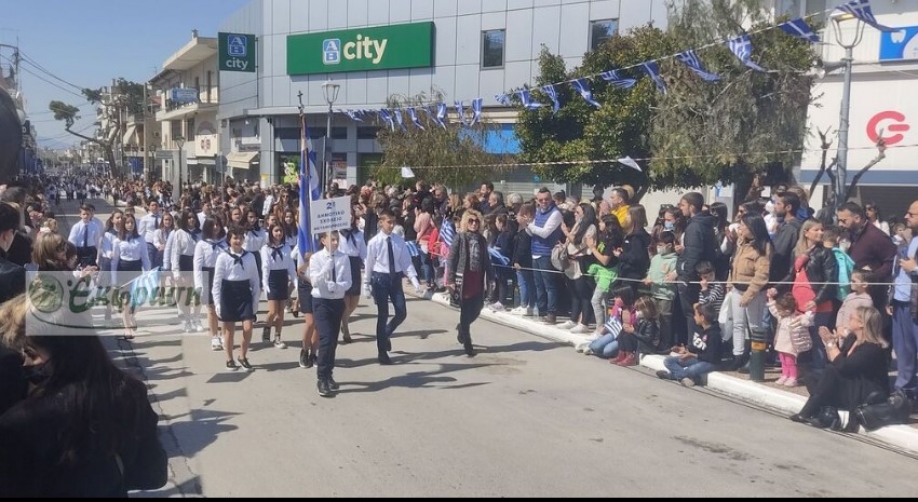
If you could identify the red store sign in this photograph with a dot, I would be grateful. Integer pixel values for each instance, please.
(889, 121)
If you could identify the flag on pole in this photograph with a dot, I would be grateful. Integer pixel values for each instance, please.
(741, 47)
(309, 191)
(553, 94)
(799, 29)
(583, 87)
(861, 10)
(615, 79)
(399, 119)
(690, 59)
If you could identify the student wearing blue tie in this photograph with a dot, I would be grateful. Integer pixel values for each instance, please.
(86, 237)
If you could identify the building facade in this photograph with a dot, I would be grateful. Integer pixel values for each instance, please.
(375, 49)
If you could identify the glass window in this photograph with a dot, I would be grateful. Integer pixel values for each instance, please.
(339, 133)
(492, 48)
(367, 132)
(189, 129)
(602, 30)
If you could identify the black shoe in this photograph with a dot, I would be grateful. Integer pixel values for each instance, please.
(333, 385)
(800, 419)
(244, 362)
(745, 369)
(231, 365)
(313, 360)
(470, 350)
(305, 361)
(323, 388)
(663, 375)
(266, 334)
(384, 359)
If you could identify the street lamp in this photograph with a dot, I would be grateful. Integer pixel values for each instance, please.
(841, 178)
(180, 141)
(330, 90)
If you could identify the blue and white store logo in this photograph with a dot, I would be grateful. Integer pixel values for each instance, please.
(899, 45)
(331, 51)
(236, 46)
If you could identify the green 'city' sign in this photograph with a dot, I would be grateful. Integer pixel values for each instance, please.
(379, 48)
(237, 52)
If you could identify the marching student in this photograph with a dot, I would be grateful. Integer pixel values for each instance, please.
(308, 354)
(355, 248)
(278, 273)
(206, 251)
(161, 237)
(147, 227)
(86, 235)
(255, 238)
(182, 266)
(387, 263)
(290, 237)
(236, 295)
(330, 274)
(106, 251)
(129, 259)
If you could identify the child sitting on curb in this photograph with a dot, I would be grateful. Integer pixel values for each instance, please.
(792, 337)
(642, 335)
(702, 356)
(622, 313)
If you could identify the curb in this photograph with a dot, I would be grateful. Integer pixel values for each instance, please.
(899, 436)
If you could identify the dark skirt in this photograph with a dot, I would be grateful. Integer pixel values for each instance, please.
(304, 291)
(128, 270)
(186, 264)
(356, 263)
(236, 301)
(257, 255)
(207, 296)
(277, 281)
(87, 255)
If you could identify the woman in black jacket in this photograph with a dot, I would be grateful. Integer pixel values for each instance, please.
(85, 429)
(635, 255)
(521, 261)
(468, 258)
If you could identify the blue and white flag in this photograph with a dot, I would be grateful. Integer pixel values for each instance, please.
(583, 87)
(413, 114)
(413, 249)
(503, 98)
(553, 94)
(447, 232)
(861, 10)
(354, 115)
(309, 191)
(387, 118)
(628, 161)
(497, 258)
(399, 119)
(476, 110)
(441, 115)
(653, 70)
(528, 103)
(615, 79)
(741, 47)
(690, 59)
(799, 29)
(144, 288)
(460, 111)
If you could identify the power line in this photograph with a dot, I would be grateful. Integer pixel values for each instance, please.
(39, 77)
(41, 68)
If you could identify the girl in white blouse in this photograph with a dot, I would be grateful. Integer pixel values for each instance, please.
(182, 260)
(278, 274)
(161, 236)
(354, 247)
(290, 238)
(206, 251)
(255, 238)
(129, 259)
(236, 292)
(106, 249)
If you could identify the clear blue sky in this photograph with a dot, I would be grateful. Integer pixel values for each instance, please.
(90, 42)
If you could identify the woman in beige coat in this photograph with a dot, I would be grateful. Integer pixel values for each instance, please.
(748, 281)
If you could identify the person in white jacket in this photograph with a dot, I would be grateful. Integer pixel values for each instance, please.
(330, 274)
(278, 273)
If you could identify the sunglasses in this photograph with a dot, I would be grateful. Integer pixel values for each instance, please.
(474, 221)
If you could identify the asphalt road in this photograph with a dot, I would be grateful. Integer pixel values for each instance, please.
(526, 417)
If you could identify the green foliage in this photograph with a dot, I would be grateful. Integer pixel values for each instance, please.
(458, 149)
(62, 111)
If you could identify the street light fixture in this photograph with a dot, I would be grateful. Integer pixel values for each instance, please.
(180, 141)
(848, 43)
(330, 89)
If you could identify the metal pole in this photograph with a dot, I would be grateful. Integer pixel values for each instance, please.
(326, 176)
(842, 178)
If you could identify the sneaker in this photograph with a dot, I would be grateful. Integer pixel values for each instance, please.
(231, 365)
(519, 311)
(588, 351)
(528, 313)
(687, 382)
(216, 343)
(497, 307)
(196, 324)
(188, 328)
(781, 380)
(305, 361)
(663, 375)
(790, 382)
(582, 346)
(278, 344)
(333, 385)
(580, 328)
(568, 325)
(244, 362)
(323, 388)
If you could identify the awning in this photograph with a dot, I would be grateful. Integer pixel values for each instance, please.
(129, 135)
(241, 160)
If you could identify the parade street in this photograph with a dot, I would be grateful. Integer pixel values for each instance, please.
(525, 417)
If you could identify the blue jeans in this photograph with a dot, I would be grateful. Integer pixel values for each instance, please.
(545, 286)
(605, 346)
(387, 287)
(527, 294)
(690, 368)
(905, 343)
(427, 271)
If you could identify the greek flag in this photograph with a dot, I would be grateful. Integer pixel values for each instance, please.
(497, 258)
(861, 10)
(503, 98)
(690, 59)
(413, 249)
(309, 191)
(799, 29)
(741, 47)
(387, 118)
(398, 118)
(414, 118)
(460, 111)
(613, 78)
(353, 114)
(476, 110)
(145, 287)
(441, 115)
(447, 232)
(528, 103)
(653, 70)
(583, 87)
(553, 94)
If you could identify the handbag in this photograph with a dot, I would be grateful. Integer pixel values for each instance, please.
(878, 413)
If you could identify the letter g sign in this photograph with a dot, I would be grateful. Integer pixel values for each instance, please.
(876, 125)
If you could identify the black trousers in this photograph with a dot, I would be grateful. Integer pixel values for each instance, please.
(688, 297)
(328, 315)
(469, 310)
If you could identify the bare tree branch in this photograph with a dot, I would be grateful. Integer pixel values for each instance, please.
(881, 154)
(825, 145)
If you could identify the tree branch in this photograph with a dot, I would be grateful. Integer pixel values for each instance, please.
(825, 145)
(881, 154)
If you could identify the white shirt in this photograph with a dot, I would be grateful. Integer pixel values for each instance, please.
(183, 244)
(201, 218)
(167, 251)
(148, 225)
(356, 248)
(254, 240)
(107, 245)
(89, 233)
(205, 256)
(551, 224)
(378, 257)
(326, 283)
(270, 261)
(226, 269)
(161, 238)
(132, 249)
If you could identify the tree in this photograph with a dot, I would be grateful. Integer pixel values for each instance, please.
(454, 155)
(125, 98)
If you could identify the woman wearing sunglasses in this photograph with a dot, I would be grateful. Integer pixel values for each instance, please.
(469, 271)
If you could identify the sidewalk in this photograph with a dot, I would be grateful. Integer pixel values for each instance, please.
(784, 402)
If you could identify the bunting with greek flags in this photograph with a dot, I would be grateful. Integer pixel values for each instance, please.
(460, 111)
(653, 70)
(309, 191)
(741, 47)
(387, 118)
(690, 59)
(528, 103)
(553, 94)
(354, 115)
(615, 79)
(861, 10)
(441, 115)
(477, 104)
(399, 119)
(799, 29)
(413, 115)
(583, 87)
(503, 98)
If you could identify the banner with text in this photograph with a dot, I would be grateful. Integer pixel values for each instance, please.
(330, 214)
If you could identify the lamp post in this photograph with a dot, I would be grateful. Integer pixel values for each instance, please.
(841, 178)
(330, 90)
(180, 141)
